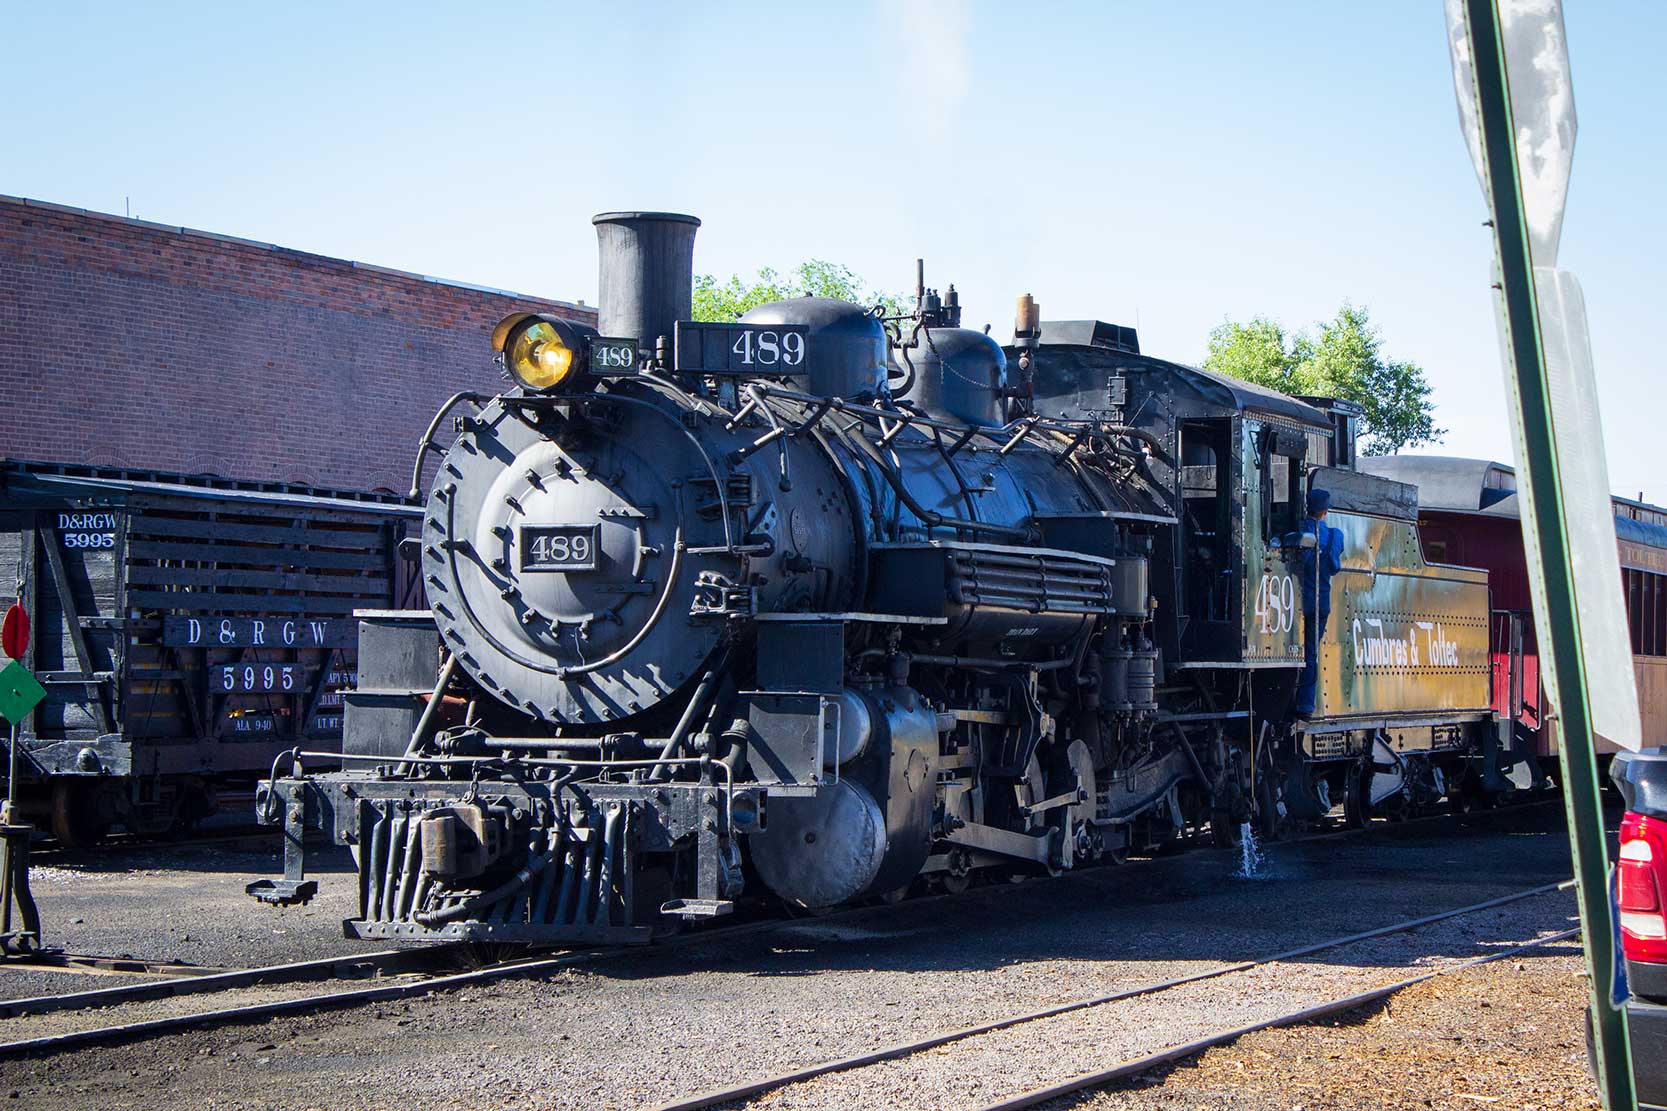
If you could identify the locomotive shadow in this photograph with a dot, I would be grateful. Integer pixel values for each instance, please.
(1180, 910)
(323, 860)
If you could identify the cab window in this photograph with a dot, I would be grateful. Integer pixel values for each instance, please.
(1281, 455)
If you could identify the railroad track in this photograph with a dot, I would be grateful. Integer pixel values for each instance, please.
(1134, 1066)
(777, 1085)
(94, 964)
(422, 970)
(353, 966)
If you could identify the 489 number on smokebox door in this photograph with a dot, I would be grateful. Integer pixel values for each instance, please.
(558, 548)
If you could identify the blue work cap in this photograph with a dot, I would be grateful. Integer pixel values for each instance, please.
(1318, 501)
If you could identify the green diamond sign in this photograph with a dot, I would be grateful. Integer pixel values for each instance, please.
(19, 692)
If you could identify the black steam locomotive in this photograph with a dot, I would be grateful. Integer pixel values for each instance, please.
(823, 604)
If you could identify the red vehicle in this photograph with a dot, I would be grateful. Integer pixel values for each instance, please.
(1468, 514)
(1641, 905)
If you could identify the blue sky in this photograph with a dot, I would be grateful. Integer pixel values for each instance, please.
(1166, 164)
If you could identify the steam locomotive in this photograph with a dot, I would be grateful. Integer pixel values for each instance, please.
(822, 604)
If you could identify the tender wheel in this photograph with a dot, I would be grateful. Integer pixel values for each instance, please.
(1357, 809)
(1269, 822)
(1224, 829)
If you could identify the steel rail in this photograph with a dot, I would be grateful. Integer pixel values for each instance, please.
(97, 964)
(752, 1088)
(196, 983)
(54, 1042)
(1138, 1065)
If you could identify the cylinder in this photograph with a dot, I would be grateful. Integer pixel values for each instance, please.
(647, 273)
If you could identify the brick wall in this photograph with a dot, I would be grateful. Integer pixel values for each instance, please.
(130, 344)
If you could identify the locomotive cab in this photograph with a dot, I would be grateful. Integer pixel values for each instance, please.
(1244, 453)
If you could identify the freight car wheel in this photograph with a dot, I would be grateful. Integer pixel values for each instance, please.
(77, 822)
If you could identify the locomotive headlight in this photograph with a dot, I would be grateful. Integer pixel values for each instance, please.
(542, 353)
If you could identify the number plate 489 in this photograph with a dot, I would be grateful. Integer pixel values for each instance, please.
(558, 548)
(704, 347)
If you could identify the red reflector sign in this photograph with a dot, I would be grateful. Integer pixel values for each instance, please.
(14, 632)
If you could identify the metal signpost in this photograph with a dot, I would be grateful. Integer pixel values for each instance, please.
(1516, 104)
(20, 693)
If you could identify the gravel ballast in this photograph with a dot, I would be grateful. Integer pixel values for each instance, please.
(640, 1030)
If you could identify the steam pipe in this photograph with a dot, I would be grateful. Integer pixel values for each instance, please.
(932, 518)
(648, 626)
(426, 444)
(973, 661)
(998, 435)
(703, 691)
(420, 733)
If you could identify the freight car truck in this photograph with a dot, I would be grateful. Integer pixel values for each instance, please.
(188, 629)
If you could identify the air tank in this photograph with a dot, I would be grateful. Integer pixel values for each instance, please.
(647, 273)
(1129, 677)
(845, 355)
(1143, 677)
(959, 374)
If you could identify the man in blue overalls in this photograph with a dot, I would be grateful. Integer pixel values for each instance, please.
(1322, 557)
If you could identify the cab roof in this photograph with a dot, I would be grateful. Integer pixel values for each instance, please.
(1067, 369)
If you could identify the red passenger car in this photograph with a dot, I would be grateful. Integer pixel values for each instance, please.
(1468, 514)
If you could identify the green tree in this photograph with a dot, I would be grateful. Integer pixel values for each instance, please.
(727, 300)
(1342, 357)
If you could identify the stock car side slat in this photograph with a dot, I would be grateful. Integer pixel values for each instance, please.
(184, 630)
(360, 585)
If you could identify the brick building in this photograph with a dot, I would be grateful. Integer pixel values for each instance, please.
(129, 344)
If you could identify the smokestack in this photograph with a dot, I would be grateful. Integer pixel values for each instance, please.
(647, 275)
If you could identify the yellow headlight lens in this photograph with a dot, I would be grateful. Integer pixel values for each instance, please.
(539, 357)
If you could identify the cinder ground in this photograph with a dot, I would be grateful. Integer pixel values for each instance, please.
(665, 1022)
(180, 903)
(1504, 1035)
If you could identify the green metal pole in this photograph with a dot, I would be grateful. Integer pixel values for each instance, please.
(1581, 789)
(6, 847)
